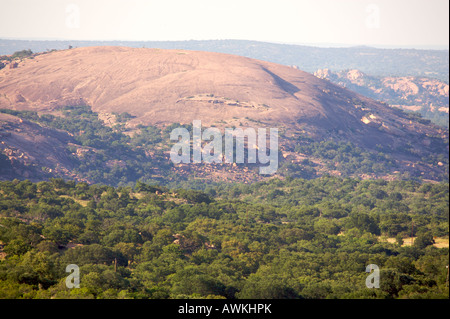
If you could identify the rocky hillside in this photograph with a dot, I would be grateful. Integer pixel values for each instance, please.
(374, 61)
(33, 151)
(429, 97)
(119, 95)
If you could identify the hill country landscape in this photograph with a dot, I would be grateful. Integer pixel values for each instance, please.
(86, 176)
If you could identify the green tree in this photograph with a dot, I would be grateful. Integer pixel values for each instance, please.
(423, 240)
(266, 287)
(326, 226)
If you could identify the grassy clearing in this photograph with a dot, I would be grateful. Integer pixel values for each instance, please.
(79, 201)
(440, 242)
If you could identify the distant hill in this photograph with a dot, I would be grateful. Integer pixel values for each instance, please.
(102, 114)
(427, 96)
(376, 62)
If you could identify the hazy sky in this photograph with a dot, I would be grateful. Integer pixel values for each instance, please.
(356, 22)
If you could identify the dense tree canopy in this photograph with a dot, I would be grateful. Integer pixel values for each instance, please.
(289, 238)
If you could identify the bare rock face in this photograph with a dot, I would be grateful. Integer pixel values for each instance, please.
(155, 85)
(170, 86)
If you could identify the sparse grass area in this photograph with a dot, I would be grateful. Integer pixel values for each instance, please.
(76, 200)
(440, 242)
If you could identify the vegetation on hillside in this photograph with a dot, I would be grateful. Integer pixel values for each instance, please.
(113, 156)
